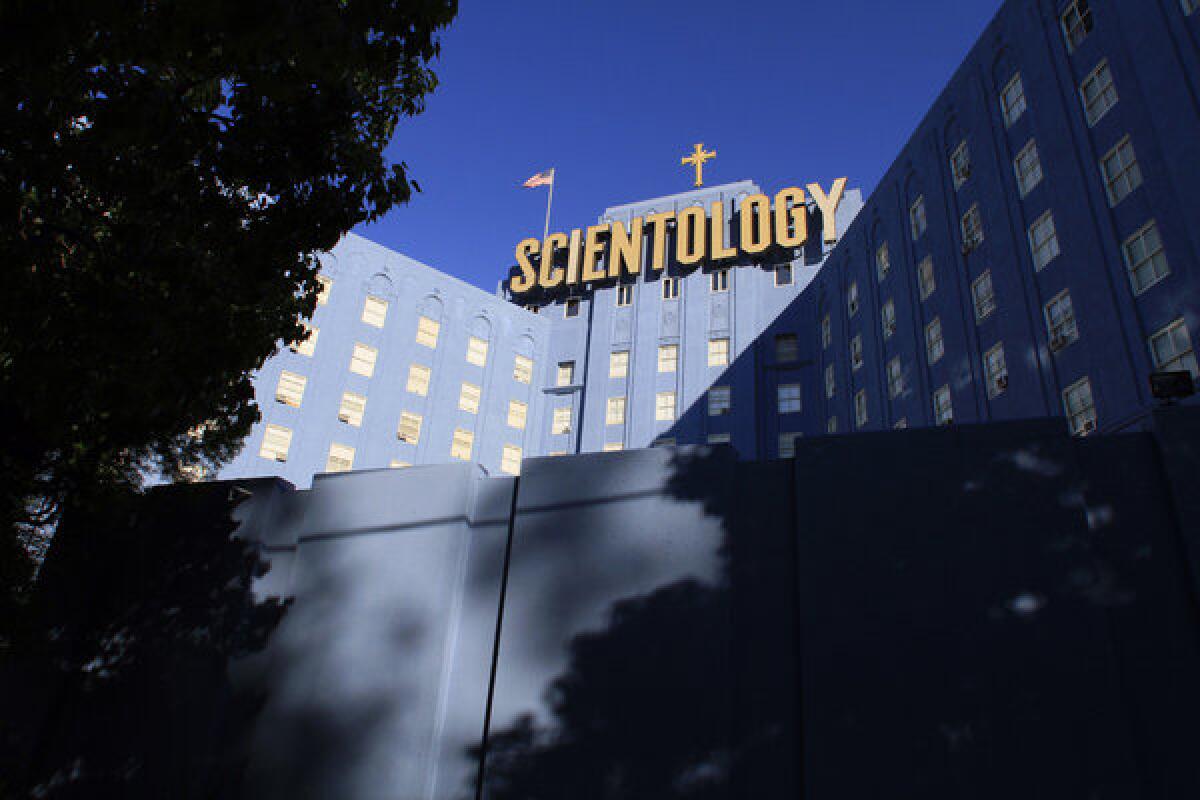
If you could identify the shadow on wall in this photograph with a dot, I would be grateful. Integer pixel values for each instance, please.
(683, 690)
(922, 613)
(145, 608)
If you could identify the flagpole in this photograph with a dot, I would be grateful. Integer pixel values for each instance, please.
(549, 199)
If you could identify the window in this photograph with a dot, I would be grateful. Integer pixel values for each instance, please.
(830, 381)
(1145, 259)
(888, 318)
(410, 427)
(462, 444)
(831, 425)
(276, 442)
(883, 261)
(1172, 350)
(718, 352)
(935, 347)
(1043, 240)
(787, 348)
(972, 229)
(1028, 168)
(566, 373)
(901, 424)
(943, 407)
(324, 286)
(852, 298)
(618, 364)
(477, 351)
(518, 413)
(352, 408)
(719, 438)
(624, 295)
(1012, 100)
(374, 311)
(860, 408)
(787, 444)
(309, 345)
(362, 360)
(290, 389)
(571, 308)
(718, 280)
(916, 217)
(1098, 93)
(468, 398)
(427, 332)
(720, 400)
(783, 275)
(668, 357)
(664, 406)
(614, 447)
(788, 398)
(826, 331)
(1060, 321)
(615, 414)
(670, 288)
(340, 459)
(984, 296)
(418, 379)
(1076, 23)
(1121, 172)
(960, 164)
(522, 369)
(1081, 410)
(510, 459)
(925, 277)
(895, 377)
(856, 351)
(396, 463)
(561, 422)
(995, 371)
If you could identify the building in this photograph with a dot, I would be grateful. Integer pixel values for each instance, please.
(1030, 253)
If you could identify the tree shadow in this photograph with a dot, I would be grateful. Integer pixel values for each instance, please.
(146, 607)
(680, 692)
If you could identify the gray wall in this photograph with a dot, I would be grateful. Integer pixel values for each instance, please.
(990, 611)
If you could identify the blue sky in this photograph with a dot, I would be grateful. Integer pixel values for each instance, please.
(612, 94)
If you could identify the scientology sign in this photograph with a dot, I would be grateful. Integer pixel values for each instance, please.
(698, 236)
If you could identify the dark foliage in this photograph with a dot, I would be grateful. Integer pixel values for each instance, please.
(167, 170)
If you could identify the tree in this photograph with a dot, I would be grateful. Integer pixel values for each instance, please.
(168, 169)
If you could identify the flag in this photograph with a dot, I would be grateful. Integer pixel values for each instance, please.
(543, 178)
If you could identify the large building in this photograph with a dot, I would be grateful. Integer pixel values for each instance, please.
(1032, 252)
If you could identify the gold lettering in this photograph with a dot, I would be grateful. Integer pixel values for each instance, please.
(755, 216)
(591, 250)
(525, 281)
(625, 249)
(658, 260)
(829, 206)
(689, 235)
(720, 250)
(549, 275)
(574, 251)
(791, 222)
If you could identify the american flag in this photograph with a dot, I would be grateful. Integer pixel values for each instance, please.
(543, 178)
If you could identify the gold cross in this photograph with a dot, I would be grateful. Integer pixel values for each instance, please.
(698, 157)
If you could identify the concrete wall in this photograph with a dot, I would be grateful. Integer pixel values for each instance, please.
(985, 611)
